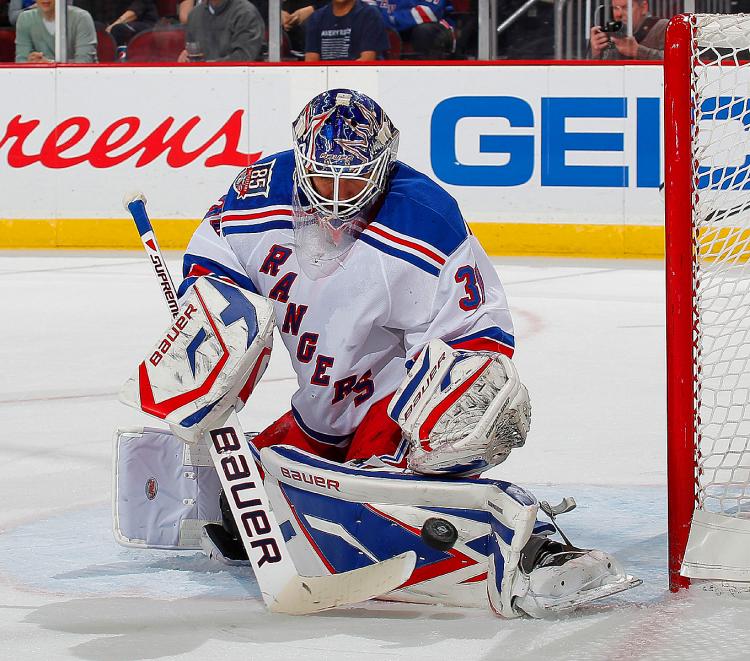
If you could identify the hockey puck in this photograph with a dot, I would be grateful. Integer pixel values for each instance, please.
(439, 534)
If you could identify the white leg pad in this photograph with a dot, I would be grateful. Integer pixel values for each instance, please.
(164, 490)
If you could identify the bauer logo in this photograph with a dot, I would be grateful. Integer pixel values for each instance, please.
(309, 478)
(244, 495)
(123, 141)
(540, 145)
(166, 342)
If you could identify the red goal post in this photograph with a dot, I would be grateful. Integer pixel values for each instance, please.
(707, 189)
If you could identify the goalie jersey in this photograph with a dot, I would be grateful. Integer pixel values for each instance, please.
(414, 274)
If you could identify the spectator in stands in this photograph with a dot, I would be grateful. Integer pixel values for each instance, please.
(294, 15)
(123, 18)
(226, 30)
(647, 42)
(421, 24)
(184, 7)
(16, 7)
(345, 30)
(35, 34)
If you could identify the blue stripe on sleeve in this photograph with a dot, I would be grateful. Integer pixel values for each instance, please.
(215, 268)
(185, 285)
(494, 333)
(255, 229)
(400, 254)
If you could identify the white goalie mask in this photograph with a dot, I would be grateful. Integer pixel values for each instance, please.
(344, 148)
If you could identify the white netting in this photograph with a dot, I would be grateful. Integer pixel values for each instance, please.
(721, 225)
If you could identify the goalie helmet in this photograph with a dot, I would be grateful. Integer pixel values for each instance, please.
(346, 143)
(343, 135)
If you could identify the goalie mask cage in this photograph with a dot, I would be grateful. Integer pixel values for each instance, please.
(707, 180)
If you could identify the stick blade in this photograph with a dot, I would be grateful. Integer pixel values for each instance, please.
(310, 594)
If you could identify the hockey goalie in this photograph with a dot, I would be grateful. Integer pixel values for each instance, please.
(400, 335)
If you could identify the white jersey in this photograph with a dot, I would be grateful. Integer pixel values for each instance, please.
(414, 274)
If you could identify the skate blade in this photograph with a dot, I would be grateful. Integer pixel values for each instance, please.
(565, 604)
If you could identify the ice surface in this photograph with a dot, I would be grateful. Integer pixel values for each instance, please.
(591, 349)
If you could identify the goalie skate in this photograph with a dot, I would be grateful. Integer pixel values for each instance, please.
(558, 578)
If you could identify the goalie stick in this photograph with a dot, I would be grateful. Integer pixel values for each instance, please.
(283, 589)
(135, 203)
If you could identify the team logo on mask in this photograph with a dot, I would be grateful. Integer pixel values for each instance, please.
(152, 486)
(255, 180)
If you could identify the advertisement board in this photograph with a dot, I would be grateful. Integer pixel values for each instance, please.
(573, 150)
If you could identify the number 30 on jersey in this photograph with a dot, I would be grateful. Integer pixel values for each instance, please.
(473, 287)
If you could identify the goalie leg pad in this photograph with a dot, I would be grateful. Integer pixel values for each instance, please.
(337, 517)
(461, 411)
(164, 491)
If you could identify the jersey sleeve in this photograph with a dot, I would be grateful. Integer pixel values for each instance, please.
(256, 201)
(469, 309)
(209, 253)
(460, 300)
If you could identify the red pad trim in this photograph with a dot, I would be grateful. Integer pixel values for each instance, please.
(457, 560)
(476, 579)
(317, 550)
(252, 379)
(429, 423)
(484, 344)
(163, 409)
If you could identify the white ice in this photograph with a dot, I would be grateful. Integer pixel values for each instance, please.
(591, 349)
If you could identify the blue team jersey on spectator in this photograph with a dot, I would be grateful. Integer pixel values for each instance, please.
(346, 37)
(405, 14)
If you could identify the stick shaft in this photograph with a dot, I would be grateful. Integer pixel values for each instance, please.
(269, 557)
(137, 209)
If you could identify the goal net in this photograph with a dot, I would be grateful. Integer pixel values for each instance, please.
(707, 181)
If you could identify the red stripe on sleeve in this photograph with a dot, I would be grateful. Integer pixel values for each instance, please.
(409, 244)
